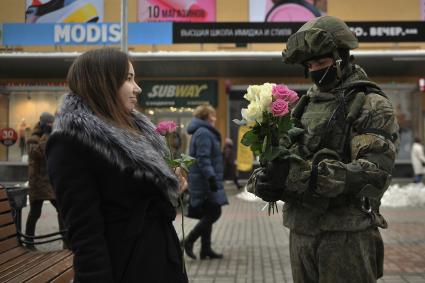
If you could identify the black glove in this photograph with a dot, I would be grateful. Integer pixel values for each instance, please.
(213, 184)
(271, 180)
(322, 154)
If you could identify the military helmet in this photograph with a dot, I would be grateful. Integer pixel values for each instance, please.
(319, 37)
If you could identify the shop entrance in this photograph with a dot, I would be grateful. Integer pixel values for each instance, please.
(182, 117)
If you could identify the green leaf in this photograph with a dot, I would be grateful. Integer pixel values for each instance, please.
(187, 159)
(185, 168)
(249, 138)
(271, 153)
(284, 124)
(265, 142)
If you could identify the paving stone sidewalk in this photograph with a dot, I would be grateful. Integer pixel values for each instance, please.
(255, 245)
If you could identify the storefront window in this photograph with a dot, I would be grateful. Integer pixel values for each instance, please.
(404, 99)
(20, 110)
(182, 116)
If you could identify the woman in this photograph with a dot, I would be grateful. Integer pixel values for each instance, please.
(205, 179)
(113, 186)
(418, 160)
(229, 165)
(40, 188)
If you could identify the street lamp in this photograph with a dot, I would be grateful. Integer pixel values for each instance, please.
(124, 26)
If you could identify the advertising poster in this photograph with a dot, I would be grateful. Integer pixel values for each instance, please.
(244, 156)
(422, 8)
(286, 10)
(64, 11)
(176, 10)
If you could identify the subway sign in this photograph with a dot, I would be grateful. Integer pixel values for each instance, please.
(177, 93)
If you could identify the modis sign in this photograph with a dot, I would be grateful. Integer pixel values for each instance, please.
(79, 33)
(178, 93)
(85, 34)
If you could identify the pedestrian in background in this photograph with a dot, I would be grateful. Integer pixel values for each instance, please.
(418, 159)
(229, 163)
(114, 188)
(205, 179)
(40, 188)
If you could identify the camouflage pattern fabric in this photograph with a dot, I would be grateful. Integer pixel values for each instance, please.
(334, 234)
(348, 257)
(364, 169)
(318, 37)
(351, 138)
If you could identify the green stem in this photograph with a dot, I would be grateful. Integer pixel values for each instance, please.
(183, 236)
(167, 139)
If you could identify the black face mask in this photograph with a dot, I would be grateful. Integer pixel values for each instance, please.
(324, 77)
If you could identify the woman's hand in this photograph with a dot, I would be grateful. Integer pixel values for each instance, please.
(181, 176)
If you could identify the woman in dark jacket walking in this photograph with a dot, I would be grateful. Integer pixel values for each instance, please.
(114, 189)
(205, 179)
(40, 188)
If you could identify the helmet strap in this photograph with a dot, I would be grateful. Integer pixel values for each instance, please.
(306, 73)
(338, 62)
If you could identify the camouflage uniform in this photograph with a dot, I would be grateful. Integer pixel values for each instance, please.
(332, 198)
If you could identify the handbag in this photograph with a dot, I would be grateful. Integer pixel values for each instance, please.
(191, 211)
(194, 212)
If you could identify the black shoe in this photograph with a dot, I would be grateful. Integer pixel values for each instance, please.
(210, 255)
(188, 248)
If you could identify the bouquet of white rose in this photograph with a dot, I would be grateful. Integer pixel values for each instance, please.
(268, 116)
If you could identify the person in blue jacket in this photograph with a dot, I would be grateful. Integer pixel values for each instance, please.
(205, 179)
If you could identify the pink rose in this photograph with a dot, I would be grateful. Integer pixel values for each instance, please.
(280, 107)
(283, 92)
(166, 127)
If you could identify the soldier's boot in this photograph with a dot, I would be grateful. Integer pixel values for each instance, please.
(206, 250)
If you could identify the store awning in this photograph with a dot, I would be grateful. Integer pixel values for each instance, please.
(209, 64)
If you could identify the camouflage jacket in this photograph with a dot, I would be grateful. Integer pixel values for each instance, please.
(348, 183)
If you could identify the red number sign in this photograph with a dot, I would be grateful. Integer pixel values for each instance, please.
(8, 136)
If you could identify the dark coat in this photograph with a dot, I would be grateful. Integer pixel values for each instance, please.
(205, 146)
(117, 210)
(40, 187)
(229, 166)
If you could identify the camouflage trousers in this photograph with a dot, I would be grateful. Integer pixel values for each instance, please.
(334, 257)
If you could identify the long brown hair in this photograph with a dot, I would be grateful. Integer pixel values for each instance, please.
(96, 76)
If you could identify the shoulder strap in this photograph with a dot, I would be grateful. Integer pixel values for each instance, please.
(298, 110)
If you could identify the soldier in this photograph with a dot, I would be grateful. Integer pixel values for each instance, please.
(348, 148)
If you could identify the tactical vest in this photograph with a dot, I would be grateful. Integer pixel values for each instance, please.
(327, 119)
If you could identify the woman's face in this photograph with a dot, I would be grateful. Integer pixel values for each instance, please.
(129, 90)
(212, 118)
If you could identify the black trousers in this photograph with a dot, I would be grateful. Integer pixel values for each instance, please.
(35, 213)
(203, 228)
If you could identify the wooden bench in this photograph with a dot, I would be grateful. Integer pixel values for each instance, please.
(19, 264)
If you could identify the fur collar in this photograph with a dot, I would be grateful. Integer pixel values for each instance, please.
(143, 153)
